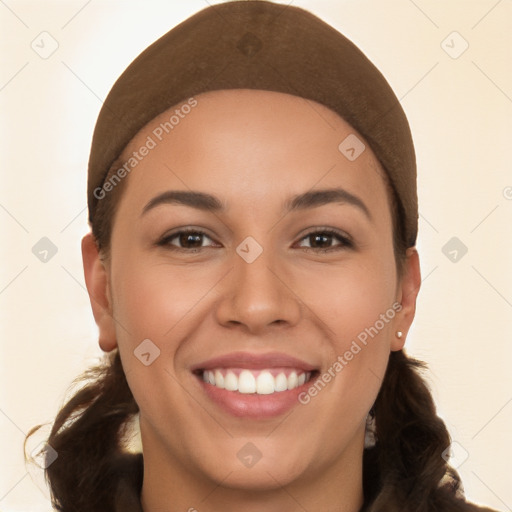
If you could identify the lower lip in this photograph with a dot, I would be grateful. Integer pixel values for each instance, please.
(252, 405)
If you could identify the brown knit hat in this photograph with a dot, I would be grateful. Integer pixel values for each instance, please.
(256, 44)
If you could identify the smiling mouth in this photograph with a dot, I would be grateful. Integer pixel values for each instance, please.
(260, 382)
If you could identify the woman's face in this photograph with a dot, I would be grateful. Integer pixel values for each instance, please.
(288, 273)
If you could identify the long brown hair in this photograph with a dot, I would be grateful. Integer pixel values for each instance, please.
(404, 471)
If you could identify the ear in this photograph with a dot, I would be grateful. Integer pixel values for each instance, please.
(98, 287)
(408, 289)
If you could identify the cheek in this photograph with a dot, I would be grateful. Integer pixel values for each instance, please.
(351, 299)
(153, 300)
(357, 309)
(156, 303)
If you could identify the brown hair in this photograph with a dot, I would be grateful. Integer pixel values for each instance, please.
(402, 472)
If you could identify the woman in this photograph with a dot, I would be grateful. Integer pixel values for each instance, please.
(252, 271)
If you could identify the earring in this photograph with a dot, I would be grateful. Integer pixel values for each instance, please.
(399, 334)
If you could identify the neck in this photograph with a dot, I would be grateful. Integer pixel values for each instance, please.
(173, 487)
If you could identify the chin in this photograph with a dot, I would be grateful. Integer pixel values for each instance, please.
(264, 476)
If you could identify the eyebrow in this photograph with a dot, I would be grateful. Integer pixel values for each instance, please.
(210, 203)
(315, 198)
(199, 200)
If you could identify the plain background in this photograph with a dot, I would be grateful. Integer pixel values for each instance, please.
(460, 110)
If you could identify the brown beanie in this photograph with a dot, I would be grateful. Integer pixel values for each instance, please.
(256, 44)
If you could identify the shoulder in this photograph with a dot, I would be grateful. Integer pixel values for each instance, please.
(475, 508)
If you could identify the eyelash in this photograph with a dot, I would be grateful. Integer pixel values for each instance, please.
(345, 241)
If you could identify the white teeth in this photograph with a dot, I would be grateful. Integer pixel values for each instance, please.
(265, 383)
(219, 379)
(281, 382)
(231, 382)
(262, 384)
(246, 382)
(292, 380)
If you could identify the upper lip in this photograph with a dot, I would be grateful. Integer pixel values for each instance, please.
(254, 361)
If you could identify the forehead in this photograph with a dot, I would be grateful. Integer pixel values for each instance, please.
(253, 145)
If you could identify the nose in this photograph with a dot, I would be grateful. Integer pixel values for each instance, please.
(258, 295)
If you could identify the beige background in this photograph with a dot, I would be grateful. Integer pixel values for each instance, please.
(460, 110)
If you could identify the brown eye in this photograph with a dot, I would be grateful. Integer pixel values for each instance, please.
(185, 240)
(323, 240)
(320, 240)
(190, 239)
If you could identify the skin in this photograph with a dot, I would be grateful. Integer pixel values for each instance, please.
(293, 298)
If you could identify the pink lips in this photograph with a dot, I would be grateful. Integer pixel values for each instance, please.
(254, 362)
(253, 406)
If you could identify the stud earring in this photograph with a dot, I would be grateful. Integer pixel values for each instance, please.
(399, 334)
